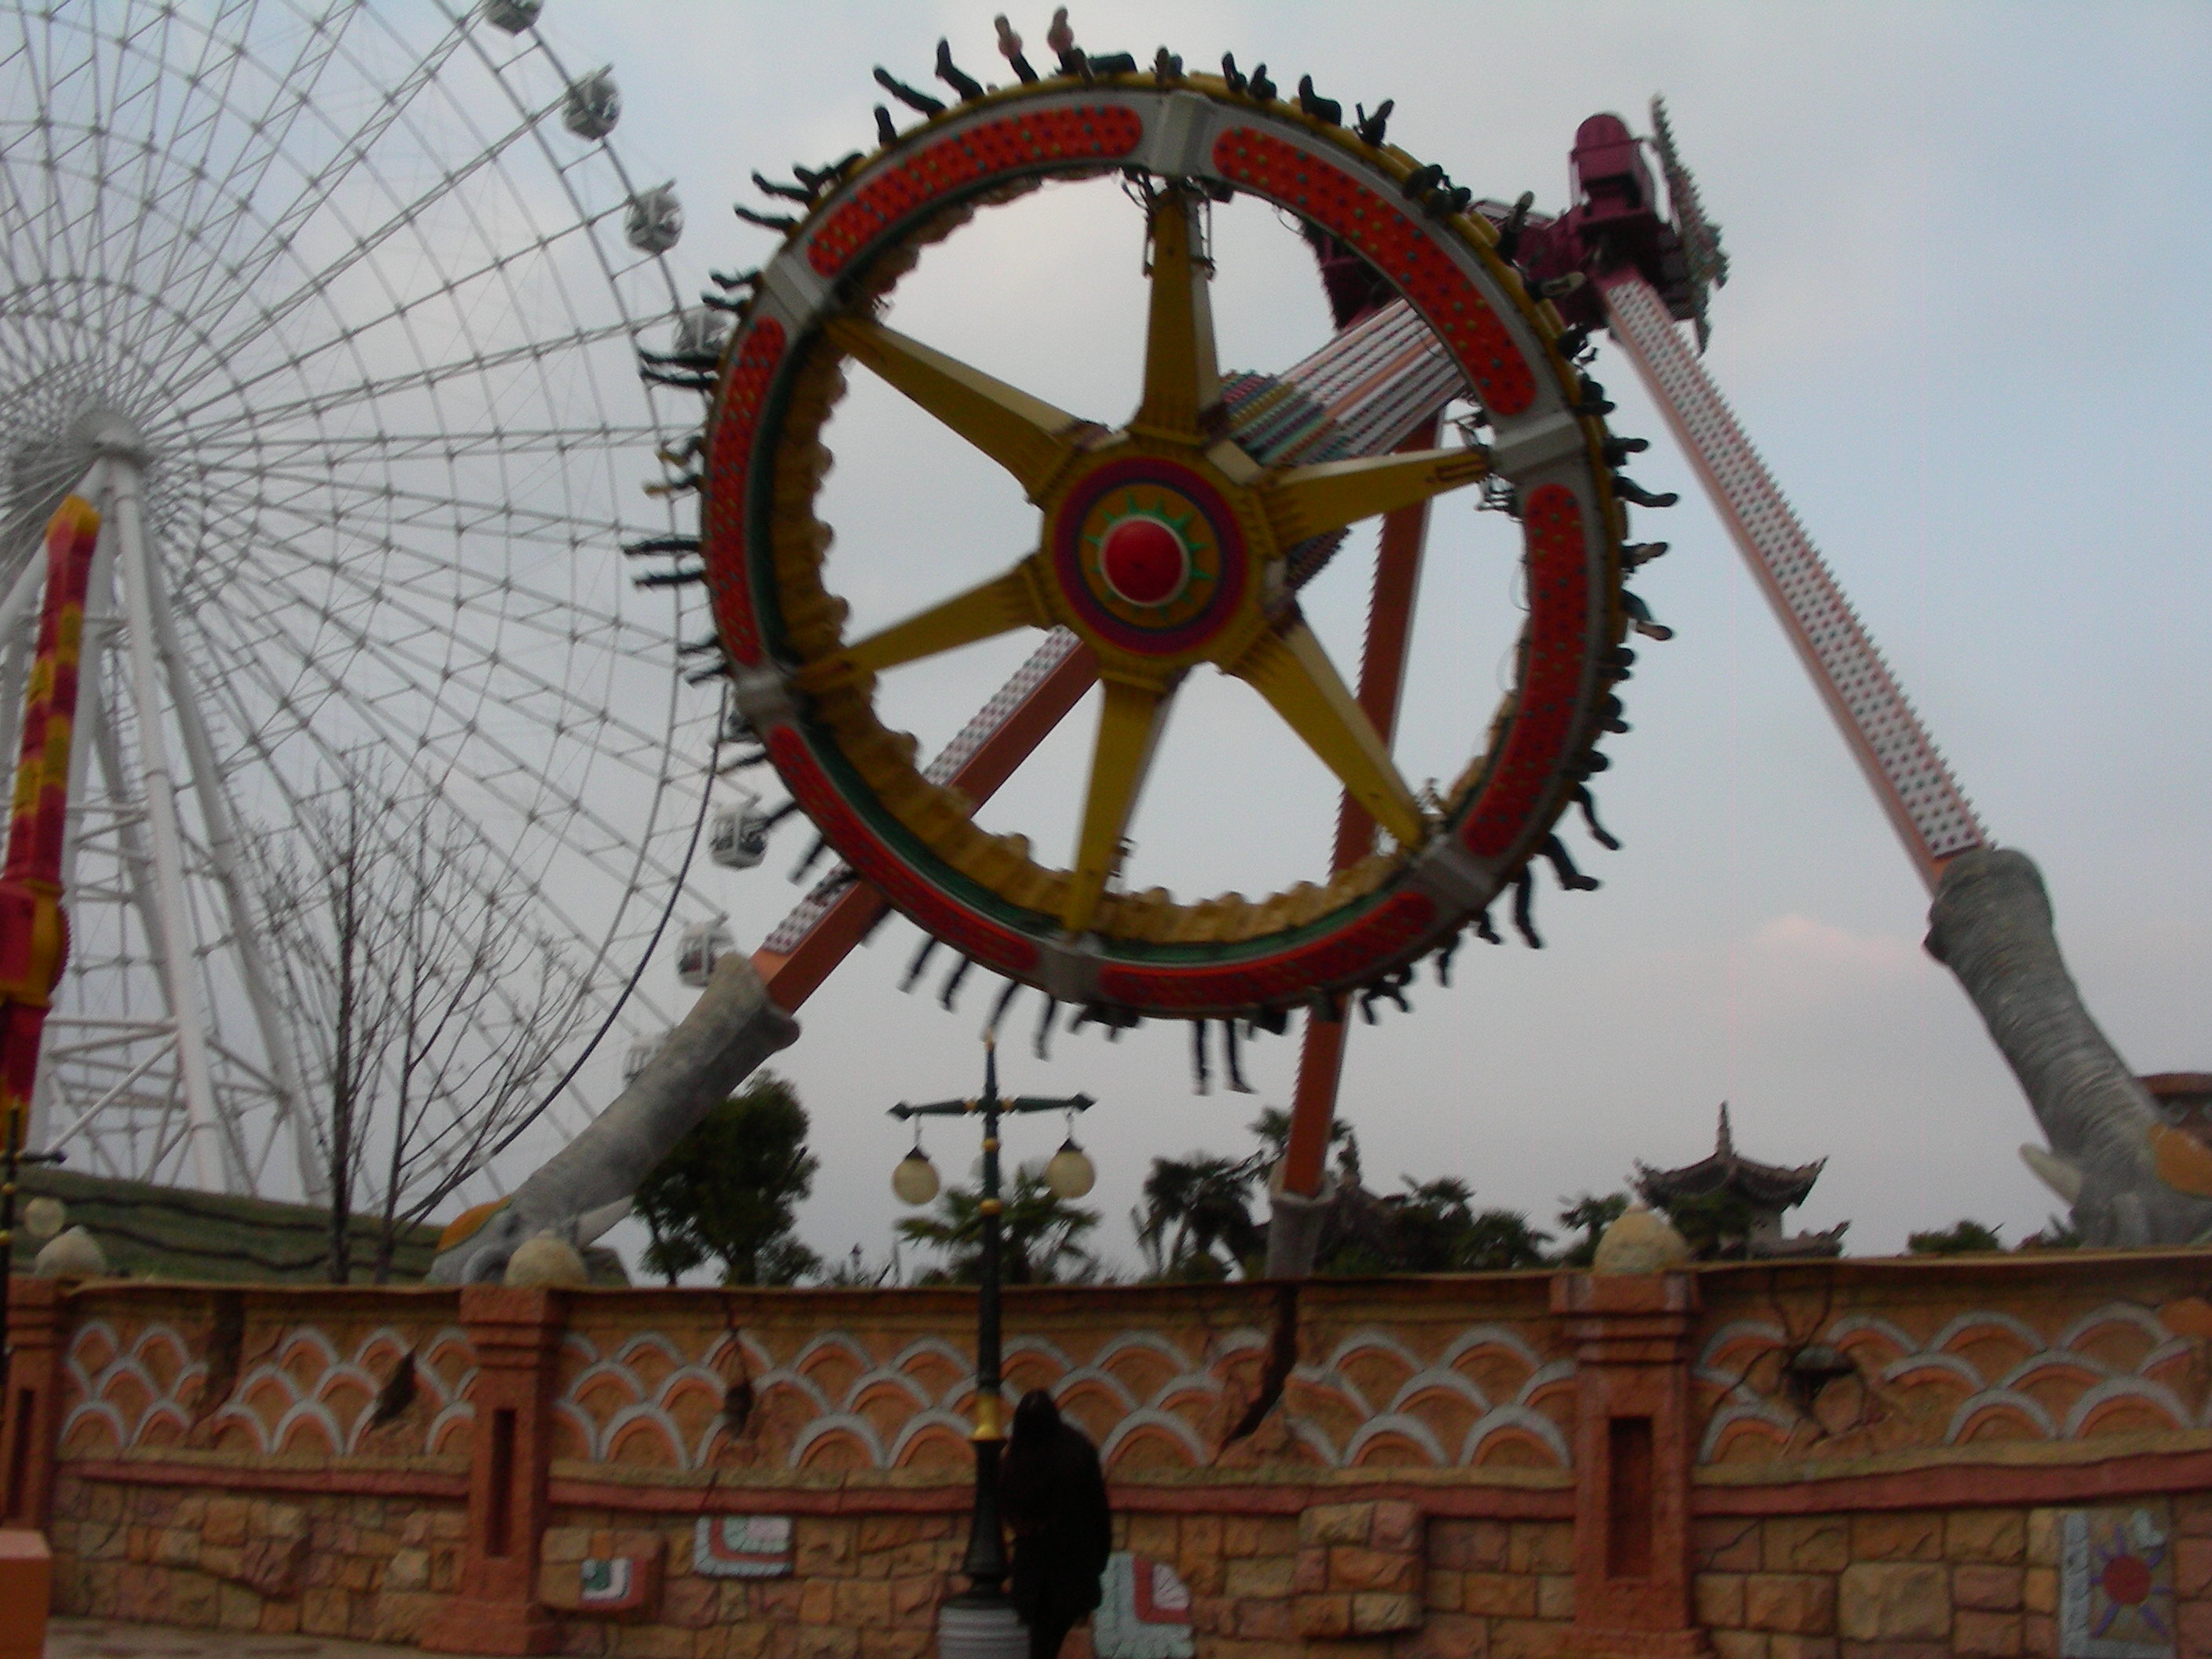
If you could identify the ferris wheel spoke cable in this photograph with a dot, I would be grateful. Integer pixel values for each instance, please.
(363, 643)
(104, 121)
(349, 336)
(575, 538)
(240, 275)
(317, 404)
(404, 216)
(421, 445)
(373, 601)
(401, 739)
(456, 513)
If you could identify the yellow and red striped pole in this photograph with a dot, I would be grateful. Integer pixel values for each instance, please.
(33, 932)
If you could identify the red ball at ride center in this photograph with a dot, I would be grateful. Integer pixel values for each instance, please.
(1144, 561)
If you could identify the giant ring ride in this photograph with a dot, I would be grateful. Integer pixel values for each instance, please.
(1176, 539)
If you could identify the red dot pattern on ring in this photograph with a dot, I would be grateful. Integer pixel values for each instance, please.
(1144, 561)
(736, 422)
(1559, 607)
(1395, 245)
(983, 151)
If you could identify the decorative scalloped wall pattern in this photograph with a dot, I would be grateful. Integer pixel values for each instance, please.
(846, 1399)
(1983, 1375)
(296, 1392)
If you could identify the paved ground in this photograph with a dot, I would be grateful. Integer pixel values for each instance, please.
(110, 1638)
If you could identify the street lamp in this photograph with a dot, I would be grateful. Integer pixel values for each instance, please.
(980, 1623)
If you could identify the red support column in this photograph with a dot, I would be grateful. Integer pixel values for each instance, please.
(31, 1424)
(1632, 1461)
(516, 1334)
(1381, 688)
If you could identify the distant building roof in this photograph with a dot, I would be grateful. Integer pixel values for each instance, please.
(1763, 1185)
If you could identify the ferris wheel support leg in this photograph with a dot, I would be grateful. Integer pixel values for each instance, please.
(22, 596)
(217, 1164)
(1294, 1223)
(131, 848)
(223, 852)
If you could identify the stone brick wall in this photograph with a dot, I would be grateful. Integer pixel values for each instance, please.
(868, 1588)
(1901, 1459)
(369, 1569)
(1500, 1588)
(1983, 1582)
(862, 1588)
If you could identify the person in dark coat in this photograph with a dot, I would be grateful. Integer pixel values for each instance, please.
(1053, 1496)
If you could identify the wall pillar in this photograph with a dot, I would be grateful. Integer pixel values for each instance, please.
(32, 1420)
(1632, 1461)
(516, 1334)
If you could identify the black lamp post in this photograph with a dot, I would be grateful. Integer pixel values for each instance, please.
(980, 1623)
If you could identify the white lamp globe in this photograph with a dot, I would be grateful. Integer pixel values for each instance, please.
(1071, 1173)
(914, 1180)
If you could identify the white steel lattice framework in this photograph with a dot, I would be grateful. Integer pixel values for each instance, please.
(333, 310)
(1910, 778)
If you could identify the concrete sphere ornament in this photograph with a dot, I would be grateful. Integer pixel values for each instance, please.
(73, 1255)
(546, 1262)
(44, 1218)
(1071, 1173)
(1640, 1241)
(915, 1180)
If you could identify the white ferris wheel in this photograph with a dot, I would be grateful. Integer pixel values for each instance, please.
(334, 310)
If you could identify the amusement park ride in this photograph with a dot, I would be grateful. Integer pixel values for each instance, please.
(1182, 538)
(336, 550)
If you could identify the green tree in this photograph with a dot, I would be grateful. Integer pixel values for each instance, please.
(1433, 1227)
(1499, 1240)
(1271, 1129)
(1590, 1215)
(1195, 1221)
(727, 1191)
(1040, 1233)
(1957, 1239)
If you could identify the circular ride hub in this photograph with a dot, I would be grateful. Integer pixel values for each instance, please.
(1167, 541)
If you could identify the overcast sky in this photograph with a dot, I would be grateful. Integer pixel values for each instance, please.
(1966, 327)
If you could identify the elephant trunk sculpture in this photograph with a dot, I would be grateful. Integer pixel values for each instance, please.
(2131, 1178)
(585, 1187)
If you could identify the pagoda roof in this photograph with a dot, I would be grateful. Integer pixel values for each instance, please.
(1764, 1186)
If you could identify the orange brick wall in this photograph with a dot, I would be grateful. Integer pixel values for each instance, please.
(1916, 1583)
(366, 1569)
(1878, 1456)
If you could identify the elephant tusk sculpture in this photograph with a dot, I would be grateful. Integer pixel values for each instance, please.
(585, 1187)
(2130, 1177)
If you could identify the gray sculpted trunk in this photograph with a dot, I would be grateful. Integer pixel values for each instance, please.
(2131, 1178)
(586, 1186)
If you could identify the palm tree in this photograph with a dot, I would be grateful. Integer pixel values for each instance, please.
(1196, 1219)
(1038, 1231)
(1589, 1215)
